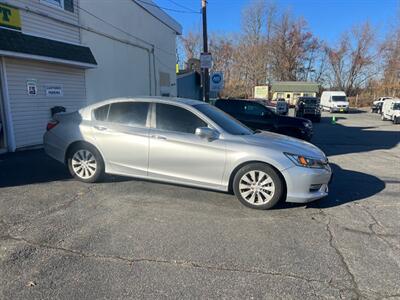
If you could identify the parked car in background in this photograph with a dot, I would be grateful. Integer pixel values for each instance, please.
(391, 110)
(257, 116)
(308, 107)
(187, 142)
(377, 104)
(334, 101)
(282, 107)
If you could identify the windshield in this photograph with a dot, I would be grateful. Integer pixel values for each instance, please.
(339, 98)
(396, 106)
(225, 121)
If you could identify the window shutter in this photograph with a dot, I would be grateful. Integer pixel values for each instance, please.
(69, 5)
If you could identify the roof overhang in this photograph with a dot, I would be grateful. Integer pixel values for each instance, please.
(19, 45)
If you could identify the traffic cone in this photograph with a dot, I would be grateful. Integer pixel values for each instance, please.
(333, 120)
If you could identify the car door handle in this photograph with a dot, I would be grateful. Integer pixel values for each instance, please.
(158, 137)
(101, 128)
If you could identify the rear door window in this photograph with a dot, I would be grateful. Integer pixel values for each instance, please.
(175, 118)
(101, 113)
(129, 113)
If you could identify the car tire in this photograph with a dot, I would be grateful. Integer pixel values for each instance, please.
(258, 186)
(396, 120)
(85, 163)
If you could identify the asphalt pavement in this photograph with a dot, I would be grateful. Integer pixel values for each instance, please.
(126, 238)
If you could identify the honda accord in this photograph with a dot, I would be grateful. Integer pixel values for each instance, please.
(187, 142)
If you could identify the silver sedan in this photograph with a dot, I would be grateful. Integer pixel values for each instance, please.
(187, 142)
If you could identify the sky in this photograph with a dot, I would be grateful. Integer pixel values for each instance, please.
(327, 19)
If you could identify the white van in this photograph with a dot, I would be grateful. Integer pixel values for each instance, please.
(334, 101)
(391, 110)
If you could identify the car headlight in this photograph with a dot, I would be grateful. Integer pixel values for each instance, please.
(307, 162)
(307, 125)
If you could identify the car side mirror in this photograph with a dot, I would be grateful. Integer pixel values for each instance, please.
(207, 133)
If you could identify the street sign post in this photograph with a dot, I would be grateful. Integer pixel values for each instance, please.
(217, 81)
(205, 60)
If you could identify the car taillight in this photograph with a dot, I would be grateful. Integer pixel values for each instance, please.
(51, 124)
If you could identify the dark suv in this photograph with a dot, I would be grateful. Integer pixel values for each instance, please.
(308, 107)
(257, 116)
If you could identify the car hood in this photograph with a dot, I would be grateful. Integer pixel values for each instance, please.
(283, 143)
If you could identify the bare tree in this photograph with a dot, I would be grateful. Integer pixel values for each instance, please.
(191, 44)
(294, 49)
(351, 62)
(391, 56)
(222, 49)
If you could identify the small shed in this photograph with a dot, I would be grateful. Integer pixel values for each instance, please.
(291, 90)
(189, 85)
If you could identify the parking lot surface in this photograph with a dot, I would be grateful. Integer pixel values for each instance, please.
(126, 238)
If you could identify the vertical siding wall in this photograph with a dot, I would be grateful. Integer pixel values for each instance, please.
(34, 21)
(31, 113)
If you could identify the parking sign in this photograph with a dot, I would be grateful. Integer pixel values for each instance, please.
(216, 81)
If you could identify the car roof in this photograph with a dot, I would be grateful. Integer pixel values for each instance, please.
(170, 100)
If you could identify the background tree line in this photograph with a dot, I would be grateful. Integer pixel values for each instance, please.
(275, 45)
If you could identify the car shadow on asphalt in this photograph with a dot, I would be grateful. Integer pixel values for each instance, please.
(337, 139)
(34, 166)
(346, 186)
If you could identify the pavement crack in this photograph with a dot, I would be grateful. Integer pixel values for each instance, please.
(372, 231)
(181, 263)
(356, 290)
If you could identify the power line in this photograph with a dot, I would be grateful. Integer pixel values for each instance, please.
(184, 7)
(125, 32)
(169, 9)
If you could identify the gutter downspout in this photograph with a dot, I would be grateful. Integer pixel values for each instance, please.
(155, 74)
(9, 127)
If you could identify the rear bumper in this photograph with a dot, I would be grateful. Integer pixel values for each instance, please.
(52, 147)
(299, 182)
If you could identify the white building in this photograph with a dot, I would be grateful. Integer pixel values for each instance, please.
(73, 52)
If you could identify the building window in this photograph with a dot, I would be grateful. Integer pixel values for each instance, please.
(63, 4)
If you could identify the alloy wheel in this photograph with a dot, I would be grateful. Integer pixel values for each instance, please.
(256, 187)
(84, 164)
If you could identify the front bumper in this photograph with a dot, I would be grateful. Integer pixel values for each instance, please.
(300, 181)
(340, 109)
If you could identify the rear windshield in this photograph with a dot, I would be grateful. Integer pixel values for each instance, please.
(310, 100)
(339, 98)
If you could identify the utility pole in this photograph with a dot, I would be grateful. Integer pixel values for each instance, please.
(206, 76)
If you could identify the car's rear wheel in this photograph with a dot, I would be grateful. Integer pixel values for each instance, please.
(396, 120)
(85, 163)
(258, 186)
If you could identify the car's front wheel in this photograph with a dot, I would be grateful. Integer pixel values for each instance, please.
(258, 186)
(85, 163)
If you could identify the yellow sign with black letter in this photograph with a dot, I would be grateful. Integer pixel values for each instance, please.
(9, 17)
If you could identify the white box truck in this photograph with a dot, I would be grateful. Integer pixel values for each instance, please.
(334, 101)
(391, 110)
